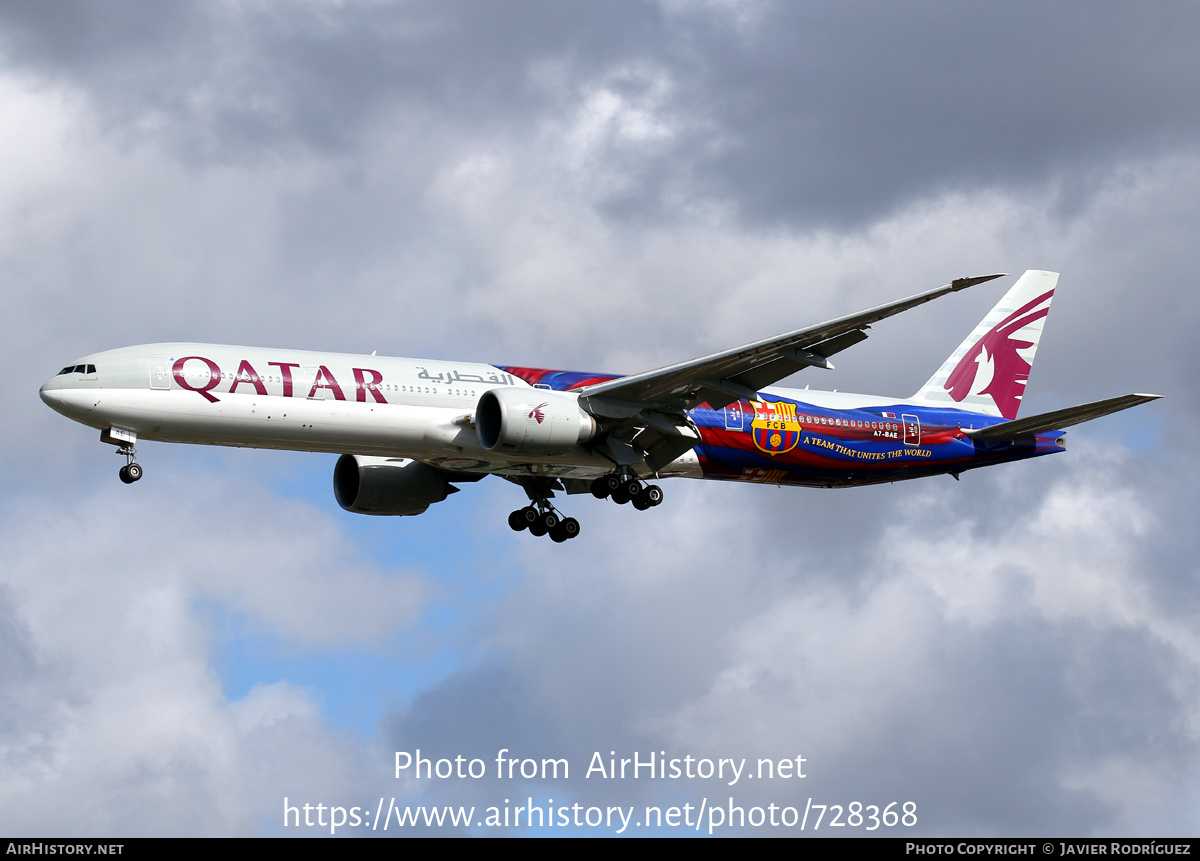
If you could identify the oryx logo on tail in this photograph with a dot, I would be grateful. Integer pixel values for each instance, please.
(995, 366)
(989, 370)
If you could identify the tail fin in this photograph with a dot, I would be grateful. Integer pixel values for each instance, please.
(988, 371)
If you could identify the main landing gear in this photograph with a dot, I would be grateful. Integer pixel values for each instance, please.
(623, 487)
(541, 518)
(132, 470)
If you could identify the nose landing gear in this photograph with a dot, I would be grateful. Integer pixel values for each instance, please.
(124, 440)
(132, 470)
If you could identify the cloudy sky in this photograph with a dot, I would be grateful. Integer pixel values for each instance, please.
(604, 187)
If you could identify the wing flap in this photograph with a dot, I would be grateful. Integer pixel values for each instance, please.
(1057, 419)
(793, 359)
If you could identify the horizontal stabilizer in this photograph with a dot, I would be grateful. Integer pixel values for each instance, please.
(1058, 419)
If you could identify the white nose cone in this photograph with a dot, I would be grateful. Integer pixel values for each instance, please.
(51, 392)
(73, 402)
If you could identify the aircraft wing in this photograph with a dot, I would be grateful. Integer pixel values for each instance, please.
(1058, 419)
(725, 377)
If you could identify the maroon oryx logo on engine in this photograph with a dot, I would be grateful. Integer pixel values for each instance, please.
(536, 413)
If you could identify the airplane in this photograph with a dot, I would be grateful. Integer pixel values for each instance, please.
(409, 431)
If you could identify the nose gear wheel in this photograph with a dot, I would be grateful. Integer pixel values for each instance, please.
(132, 470)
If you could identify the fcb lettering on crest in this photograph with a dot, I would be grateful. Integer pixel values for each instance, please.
(775, 428)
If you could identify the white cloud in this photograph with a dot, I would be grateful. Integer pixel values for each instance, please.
(116, 722)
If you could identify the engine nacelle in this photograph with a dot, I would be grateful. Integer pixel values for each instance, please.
(387, 485)
(531, 421)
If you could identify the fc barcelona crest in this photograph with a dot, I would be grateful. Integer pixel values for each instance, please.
(775, 428)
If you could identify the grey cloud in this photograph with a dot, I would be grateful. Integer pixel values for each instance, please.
(218, 80)
(811, 114)
(858, 108)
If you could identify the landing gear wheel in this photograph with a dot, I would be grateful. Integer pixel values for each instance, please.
(613, 482)
(565, 530)
(545, 522)
(540, 517)
(131, 471)
(600, 488)
(527, 515)
(653, 495)
(642, 501)
(619, 496)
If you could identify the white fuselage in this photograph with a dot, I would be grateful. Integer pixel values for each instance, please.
(304, 401)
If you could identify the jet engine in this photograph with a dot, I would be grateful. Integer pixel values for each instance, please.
(387, 485)
(531, 421)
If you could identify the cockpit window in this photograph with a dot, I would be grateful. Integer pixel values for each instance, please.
(69, 369)
(77, 369)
